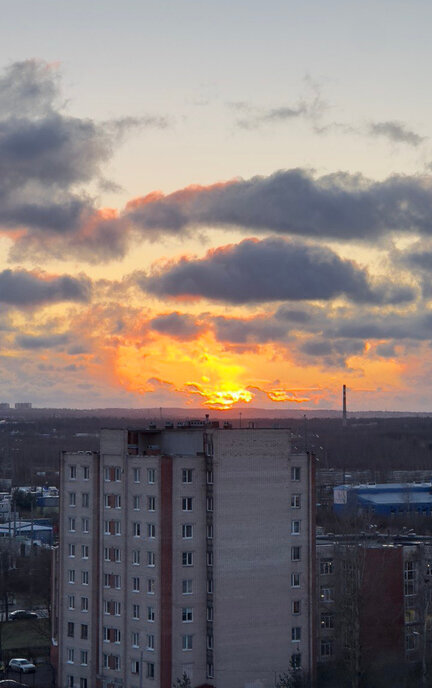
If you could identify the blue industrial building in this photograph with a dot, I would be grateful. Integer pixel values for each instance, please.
(385, 499)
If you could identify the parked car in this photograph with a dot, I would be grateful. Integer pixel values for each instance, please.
(22, 665)
(22, 614)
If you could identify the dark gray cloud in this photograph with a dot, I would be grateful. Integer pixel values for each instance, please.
(51, 341)
(257, 330)
(46, 158)
(294, 202)
(268, 270)
(396, 132)
(21, 288)
(177, 325)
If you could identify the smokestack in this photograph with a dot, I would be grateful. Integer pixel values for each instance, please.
(344, 408)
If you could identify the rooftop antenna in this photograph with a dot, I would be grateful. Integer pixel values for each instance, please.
(344, 408)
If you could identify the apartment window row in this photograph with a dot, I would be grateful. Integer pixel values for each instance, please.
(72, 525)
(83, 630)
(73, 472)
(112, 527)
(111, 635)
(84, 550)
(112, 580)
(151, 502)
(72, 684)
(83, 656)
(112, 607)
(136, 558)
(137, 529)
(111, 662)
(150, 643)
(136, 613)
(85, 499)
(112, 554)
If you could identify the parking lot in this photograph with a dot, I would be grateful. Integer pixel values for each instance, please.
(43, 677)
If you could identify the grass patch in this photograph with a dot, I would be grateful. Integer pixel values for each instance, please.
(32, 633)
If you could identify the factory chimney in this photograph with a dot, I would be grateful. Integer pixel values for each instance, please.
(344, 407)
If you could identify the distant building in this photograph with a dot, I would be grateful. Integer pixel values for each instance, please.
(384, 499)
(374, 604)
(185, 549)
(4, 405)
(21, 405)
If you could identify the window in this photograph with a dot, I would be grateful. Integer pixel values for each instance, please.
(107, 580)
(209, 642)
(71, 601)
(151, 476)
(295, 580)
(108, 501)
(84, 551)
(136, 475)
(296, 607)
(326, 594)
(209, 531)
(136, 502)
(70, 681)
(150, 670)
(187, 558)
(71, 575)
(135, 557)
(326, 567)
(84, 604)
(186, 642)
(135, 639)
(135, 666)
(106, 634)
(187, 587)
(295, 501)
(151, 586)
(187, 531)
(117, 501)
(209, 613)
(86, 472)
(210, 670)
(295, 473)
(72, 472)
(135, 611)
(296, 634)
(151, 559)
(83, 683)
(70, 655)
(186, 503)
(151, 530)
(72, 524)
(209, 477)
(84, 632)
(136, 529)
(84, 657)
(210, 586)
(85, 577)
(410, 578)
(117, 608)
(71, 550)
(151, 503)
(70, 629)
(150, 641)
(115, 554)
(295, 553)
(326, 648)
(150, 614)
(410, 641)
(187, 475)
(209, 558)
(135, 584)
(85, 525)
(85, 499)
(116, 581)
(295, 527)
(72, 498)
(327, 620)
(209, 503)
(296, 660)
(187, 614)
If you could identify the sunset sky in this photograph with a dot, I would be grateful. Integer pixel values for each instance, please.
(216, 204)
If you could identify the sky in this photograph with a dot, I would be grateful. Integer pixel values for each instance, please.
(216, 205)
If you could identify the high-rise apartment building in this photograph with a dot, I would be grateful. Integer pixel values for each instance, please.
(185, 549)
